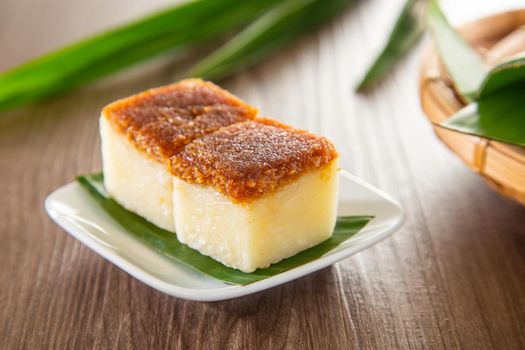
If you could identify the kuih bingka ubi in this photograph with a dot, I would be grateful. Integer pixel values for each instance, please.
(194, 159)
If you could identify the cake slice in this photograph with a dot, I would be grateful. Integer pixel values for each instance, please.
(140, 133)
(254, 193)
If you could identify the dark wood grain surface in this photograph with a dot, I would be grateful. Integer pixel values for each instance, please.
(452, 277)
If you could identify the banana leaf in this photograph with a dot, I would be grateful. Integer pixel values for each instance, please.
(166, 243)
(273, 30)
(407, 31)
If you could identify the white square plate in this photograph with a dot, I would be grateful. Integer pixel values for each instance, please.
(73, 209)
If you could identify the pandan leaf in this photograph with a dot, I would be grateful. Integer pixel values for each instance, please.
(407, 31)
(498, 113)
(276, 28)
(108, 52)
(461, 61)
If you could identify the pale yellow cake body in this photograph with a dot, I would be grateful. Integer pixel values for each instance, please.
(139, 183)
(260, 232)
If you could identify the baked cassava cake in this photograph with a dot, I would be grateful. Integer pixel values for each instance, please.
(254, 193)
(193, 159)
(141, 132)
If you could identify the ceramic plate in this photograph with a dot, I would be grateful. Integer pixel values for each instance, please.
(77, 213)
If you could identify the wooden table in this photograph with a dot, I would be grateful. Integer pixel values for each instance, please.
(452, 277)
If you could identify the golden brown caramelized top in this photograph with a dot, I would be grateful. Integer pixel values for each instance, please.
(161, 121)
(247, 160)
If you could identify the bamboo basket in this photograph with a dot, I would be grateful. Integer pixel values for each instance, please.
(501, 165)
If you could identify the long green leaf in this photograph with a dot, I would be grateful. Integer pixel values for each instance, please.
(276, 28)
(105, 53)
(461, 61)
(498, 113)
(407, 31)
(166, 243)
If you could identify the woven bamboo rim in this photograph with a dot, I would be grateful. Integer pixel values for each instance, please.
(501, 165)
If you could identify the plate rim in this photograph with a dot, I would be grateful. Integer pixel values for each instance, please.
(227, 291)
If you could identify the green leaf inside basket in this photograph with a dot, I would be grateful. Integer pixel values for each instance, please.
(498, 113)
(166, 243)
(461, 61)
